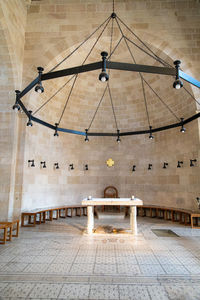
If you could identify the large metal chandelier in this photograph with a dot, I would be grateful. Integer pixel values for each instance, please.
(105, 65)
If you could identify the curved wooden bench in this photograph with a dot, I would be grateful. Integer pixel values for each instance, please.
(48, 214)
(8, 228)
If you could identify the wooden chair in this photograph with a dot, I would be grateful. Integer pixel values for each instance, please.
(111, 192)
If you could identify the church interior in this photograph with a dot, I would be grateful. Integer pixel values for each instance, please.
(99, 99)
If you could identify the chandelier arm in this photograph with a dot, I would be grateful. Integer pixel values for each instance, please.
(159, 58)
(29, 87)
(112, 107)
(173, 113)
(97, 107)
(53, 95)
(189, 79)
(191, 95)
(80, 44)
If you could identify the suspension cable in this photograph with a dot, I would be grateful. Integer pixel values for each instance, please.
(191, 95)
(98, 107)
(112, 107)
(64, 59)
(158, 58)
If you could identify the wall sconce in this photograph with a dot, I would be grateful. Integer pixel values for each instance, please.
(56, 166)
(192, 161)
(43, 164)
(198, 201)
(165, 165)
(86, 168)
(150, 167)
(71, 166)
(133, 169)
(32, 163)
(179, 164)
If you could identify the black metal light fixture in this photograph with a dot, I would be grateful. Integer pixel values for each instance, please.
(118, 136)
(133, 168)
(177, 83)
(182, 126)
(103, 76)
(105, 65)
(32, 163)
(192, 161)
(43, 164)
(16, 106)
(86, 167)
(56, 165)
(56, 130)
(29, 123)
(150, 134)
(86, 135)
(165, 165)
(179, 164)
(150, 167)
(39, 88)
(71, 166)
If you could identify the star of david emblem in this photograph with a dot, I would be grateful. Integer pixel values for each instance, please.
(110, 162)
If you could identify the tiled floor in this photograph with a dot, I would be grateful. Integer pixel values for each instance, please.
(57, 261)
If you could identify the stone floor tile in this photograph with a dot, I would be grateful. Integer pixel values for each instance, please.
(133, 292)
(85, 259)
(2, 285)
(13, 267)
(45, 290)
(105, 269)
(36, 268)
(82, 269)
(151, 270)
(74, 291)
(181, 292)
(175, 269)
(42, 259)
(100, 291)
(105, 260)
(58, 268)
(157, 292)
(128, 269)
(17, 289)
(6, 258)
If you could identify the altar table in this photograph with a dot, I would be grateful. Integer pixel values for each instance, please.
(90, 203)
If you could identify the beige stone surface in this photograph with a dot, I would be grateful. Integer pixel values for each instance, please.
(42, 33)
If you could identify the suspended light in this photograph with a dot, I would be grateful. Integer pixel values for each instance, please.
(118, 136)
(16, 107)
(150, 134)
(29, 123)
(133, 169)
(56, 130)
(56, 165)
(39, 88)
(32, 162)
(86, 135)
(182, 126)
(103, 76)
(177, 83)
(43, 164)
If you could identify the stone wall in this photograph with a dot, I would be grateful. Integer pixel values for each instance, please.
(52, 30)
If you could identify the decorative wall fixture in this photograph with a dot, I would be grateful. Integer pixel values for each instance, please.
(150, 167)
(31, 163)
(165, 165)
(56, 166)
(198, 201)
(43, 164)
(71, 166)
(192, 162)
(107, 64)
(86, 168)
(179, 164)
(133, 169)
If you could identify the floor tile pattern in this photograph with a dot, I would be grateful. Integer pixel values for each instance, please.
(56, 261)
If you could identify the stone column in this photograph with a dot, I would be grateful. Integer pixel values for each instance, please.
(90, 223)
(133, 219)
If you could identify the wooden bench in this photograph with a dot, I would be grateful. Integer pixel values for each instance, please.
(14, 226)
(7, 233)
(41, 216)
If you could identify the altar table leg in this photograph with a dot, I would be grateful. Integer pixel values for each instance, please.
(133, 219)
(90, 224)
